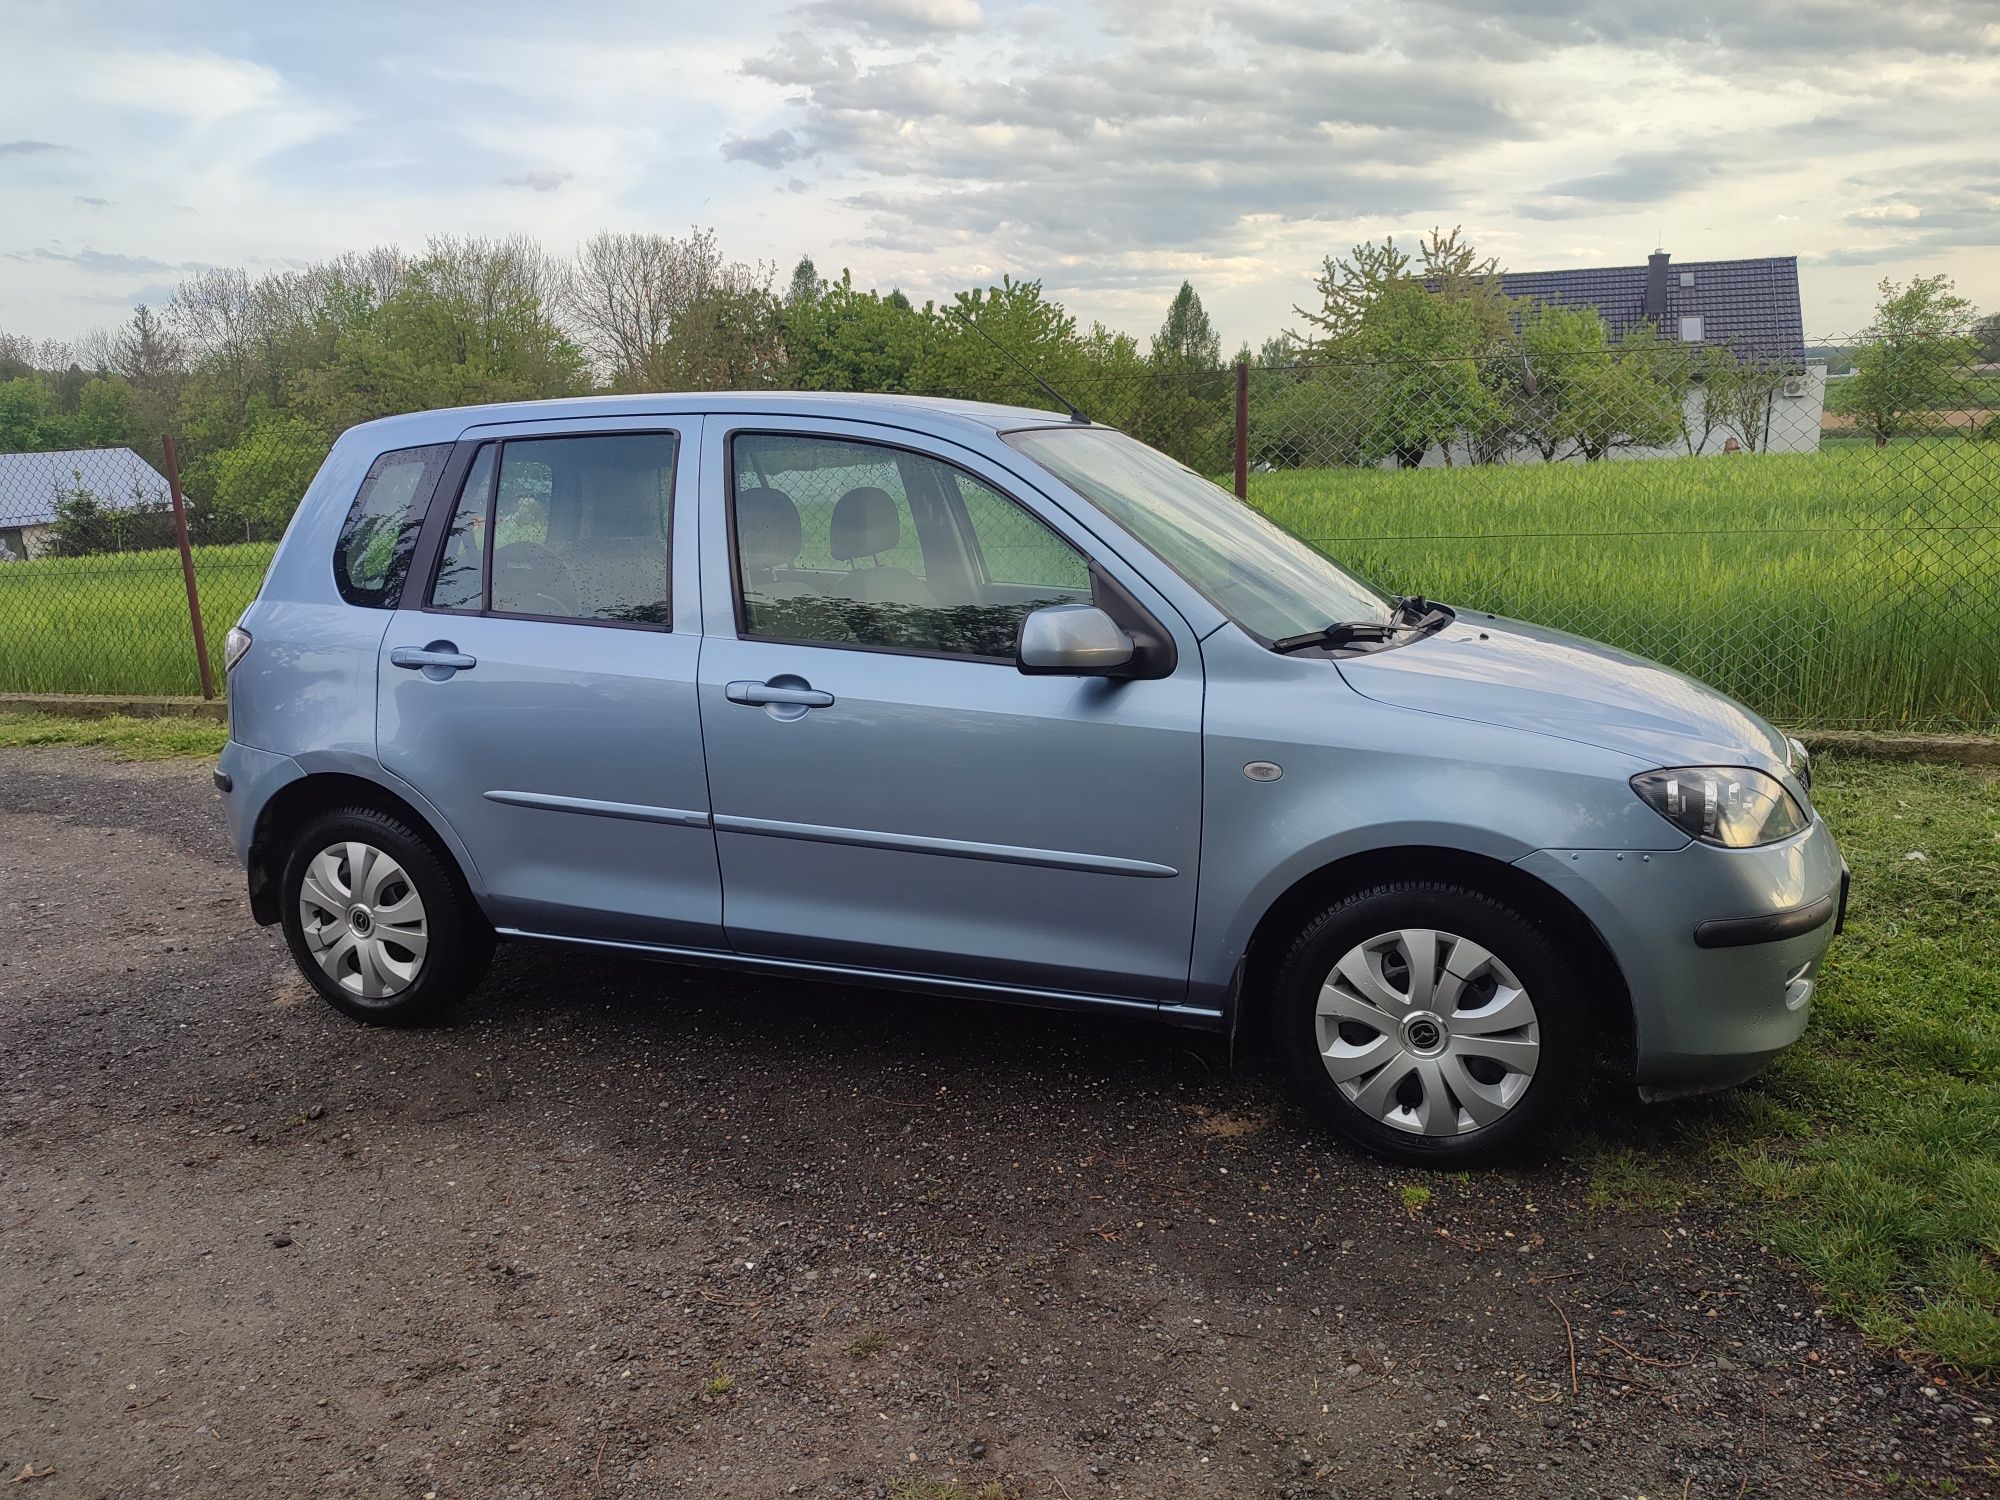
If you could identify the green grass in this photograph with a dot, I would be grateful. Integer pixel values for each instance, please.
(126, 738)
(1871, 1151)
(119, 623)
(1850, 586)
(1841, 587)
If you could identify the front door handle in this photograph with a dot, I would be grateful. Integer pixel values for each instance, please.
(436, 661)
(793, 694)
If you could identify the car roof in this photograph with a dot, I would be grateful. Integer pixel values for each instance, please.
(932, 413)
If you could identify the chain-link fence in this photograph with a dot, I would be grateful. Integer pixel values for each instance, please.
(1796, 529)
(95, 592)
(1779, 527)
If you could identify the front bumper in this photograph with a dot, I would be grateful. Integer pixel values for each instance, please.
(1720, 948)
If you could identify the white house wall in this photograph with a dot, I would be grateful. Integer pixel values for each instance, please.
(1792, 425)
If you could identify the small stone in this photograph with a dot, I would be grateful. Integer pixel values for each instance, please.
(280, 1241)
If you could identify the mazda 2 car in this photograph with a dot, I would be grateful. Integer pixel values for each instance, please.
(988, 702)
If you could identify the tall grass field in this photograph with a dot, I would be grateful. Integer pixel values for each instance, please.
(118, 623)
(1854, 585)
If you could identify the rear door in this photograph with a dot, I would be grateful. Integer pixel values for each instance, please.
(889, 791)
(538, 683)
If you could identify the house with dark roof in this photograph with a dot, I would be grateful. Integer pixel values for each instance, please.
(1749, 306)
(32, 484)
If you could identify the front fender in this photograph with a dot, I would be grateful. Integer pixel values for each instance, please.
(1359, 776)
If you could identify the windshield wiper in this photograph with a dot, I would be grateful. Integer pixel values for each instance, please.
(1414, 614)
(1341, 633)
(1418, 612)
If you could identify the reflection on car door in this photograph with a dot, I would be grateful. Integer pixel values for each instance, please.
(538, 683)
(889, 792)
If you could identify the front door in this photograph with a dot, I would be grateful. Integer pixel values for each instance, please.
(538, 684)
(888, 791)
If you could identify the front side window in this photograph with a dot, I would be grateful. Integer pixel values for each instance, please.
(569, 528)
(380, 532)
(1253, 570)
(857, 544)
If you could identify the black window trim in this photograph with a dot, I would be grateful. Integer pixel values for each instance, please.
(437, 524)
(1106, 592)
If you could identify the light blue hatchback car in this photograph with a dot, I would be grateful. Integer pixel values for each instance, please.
(988, 702)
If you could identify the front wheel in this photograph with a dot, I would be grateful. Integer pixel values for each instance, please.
(376, 921)
(1431, 1024)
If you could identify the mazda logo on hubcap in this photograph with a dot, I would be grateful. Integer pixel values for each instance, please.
(1425, 1034)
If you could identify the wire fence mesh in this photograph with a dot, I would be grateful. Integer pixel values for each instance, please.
(1821, 543)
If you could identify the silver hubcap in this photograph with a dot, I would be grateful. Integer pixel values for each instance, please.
(363, 920)
(1427, 1031)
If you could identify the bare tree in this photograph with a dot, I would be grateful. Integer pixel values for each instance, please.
(627, 292)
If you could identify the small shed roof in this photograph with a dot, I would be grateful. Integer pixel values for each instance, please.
(31, 483)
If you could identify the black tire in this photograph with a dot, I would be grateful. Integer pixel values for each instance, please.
(459, 943)
(1565, 1028)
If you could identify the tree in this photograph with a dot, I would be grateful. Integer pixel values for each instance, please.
(1348, 288)
(85, 523)
(150, 355)
(1908, 360)
(805, 285)
(247, 491)
(1415, 369)
(846, 339)
(628, 290)
(989, 339)
(727, 339)
(1447, 265)
(1987, 332)
(1187, 340)
(1591, 396)
(470, 322)
(1409, 344)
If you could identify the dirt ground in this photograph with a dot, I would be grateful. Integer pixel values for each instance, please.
(632, 1229)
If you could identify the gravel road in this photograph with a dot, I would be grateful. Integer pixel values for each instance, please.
(633, 1229)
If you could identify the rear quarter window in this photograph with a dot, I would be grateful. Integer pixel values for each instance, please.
(380, 533)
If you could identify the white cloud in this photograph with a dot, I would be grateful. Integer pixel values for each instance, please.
(1111, 147)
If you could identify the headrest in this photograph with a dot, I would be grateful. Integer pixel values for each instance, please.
(866, 523)
(768, 533)
(627, 503)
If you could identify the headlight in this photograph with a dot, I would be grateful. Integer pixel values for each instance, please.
(1728, 805)
(233, 646)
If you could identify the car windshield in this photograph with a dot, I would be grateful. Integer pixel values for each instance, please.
(1249, 567)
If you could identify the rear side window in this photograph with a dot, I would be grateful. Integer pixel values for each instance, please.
(564, 528)
(381, 528)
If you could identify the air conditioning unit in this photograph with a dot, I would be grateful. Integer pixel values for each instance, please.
(1795, 385)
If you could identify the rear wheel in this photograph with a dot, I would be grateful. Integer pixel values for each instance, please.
(377, 921)
(1431, 1024)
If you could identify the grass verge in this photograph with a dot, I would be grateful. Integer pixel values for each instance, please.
(1870, 1152)
(127, 738)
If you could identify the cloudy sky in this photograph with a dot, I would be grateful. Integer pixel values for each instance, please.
(1110, 147)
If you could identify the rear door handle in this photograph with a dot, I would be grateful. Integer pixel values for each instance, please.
(439, 659)
(772, 692)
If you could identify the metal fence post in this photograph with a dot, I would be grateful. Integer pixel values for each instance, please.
(1242, 429)
(187, 566)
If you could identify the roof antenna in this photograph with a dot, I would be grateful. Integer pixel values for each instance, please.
(1075, 411)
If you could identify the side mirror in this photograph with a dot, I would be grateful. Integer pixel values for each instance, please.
(1073, 640)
